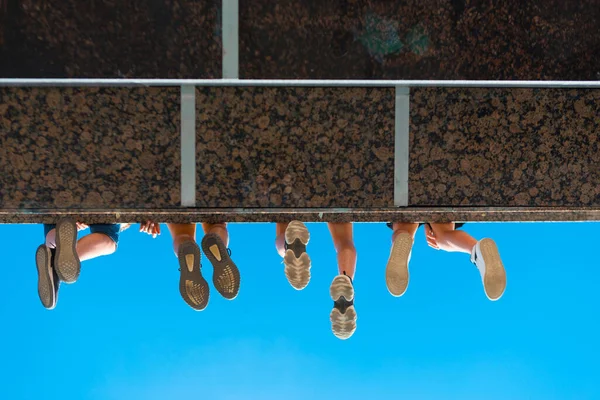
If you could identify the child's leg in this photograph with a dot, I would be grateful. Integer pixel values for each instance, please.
(102, 241)
(450, 239)
(50, 235)
(343, 315)
(280, 228)
(181, 233)
(404, 227)
(341, 233)
(484, 254)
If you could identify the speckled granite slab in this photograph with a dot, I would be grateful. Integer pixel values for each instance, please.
(110, 39)
(214, 215)
(89, 148)
(514, 147)
(415, 39)
(295, 147)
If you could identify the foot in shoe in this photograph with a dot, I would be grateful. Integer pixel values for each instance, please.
(486, 257)
(66, 262)
(296, 260)
(47, 280)
(226, 276)
(343, 315)
(396, 272)
(192, 286)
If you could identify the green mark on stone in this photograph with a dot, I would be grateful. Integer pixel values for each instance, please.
(417, 40)
(380, 37)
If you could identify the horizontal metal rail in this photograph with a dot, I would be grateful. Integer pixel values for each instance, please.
(127, 82)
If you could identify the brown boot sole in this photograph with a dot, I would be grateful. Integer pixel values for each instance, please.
(192, 286)
(226, 276)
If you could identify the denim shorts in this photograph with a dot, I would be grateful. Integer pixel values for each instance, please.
(110, 230)
(458, 225)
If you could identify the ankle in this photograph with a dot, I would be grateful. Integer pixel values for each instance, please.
(398, 232)
(181, 239)
(351, 277)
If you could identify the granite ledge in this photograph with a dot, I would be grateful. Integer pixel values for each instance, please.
(410, 214)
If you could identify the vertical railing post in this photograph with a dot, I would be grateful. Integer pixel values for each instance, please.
(230, 39)
(401, 146)
(188, 146)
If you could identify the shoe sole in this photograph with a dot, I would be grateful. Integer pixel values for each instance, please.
(46, 291)
(226, 276)
(192, 286)
(66, 262)
(396, 272)
(494, 279)
(296, 261)
(343, 325)
(297, 230)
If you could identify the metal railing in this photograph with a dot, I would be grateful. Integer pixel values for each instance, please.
(127, 82)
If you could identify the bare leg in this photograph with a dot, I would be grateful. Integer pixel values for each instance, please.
(181, 233)
(449, 239)
(219, 229)
(343, 315)
(51, 239)
(341, 233)
(95, 245)
(88, 247)
(280, 228)
(404, 227)
(484, 254)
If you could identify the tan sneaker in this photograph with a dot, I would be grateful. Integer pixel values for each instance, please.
(396, 272)
(296, 260)
(48, 281)
(66, 261)
(486, 257)
(192, 286)
(343, 315)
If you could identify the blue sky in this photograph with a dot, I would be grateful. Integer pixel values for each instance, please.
(123, 332)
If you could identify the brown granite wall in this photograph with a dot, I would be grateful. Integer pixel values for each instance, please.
(112, 148)
(110, 39)
(351, 39)
(415, 39)
(505, 147)
(295, 147)
(89, 148)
